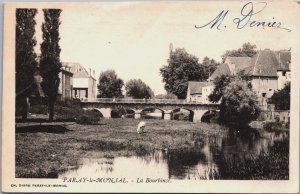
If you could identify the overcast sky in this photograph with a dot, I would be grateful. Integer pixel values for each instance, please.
(133, 38)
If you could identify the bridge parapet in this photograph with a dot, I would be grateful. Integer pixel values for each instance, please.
(139, 101)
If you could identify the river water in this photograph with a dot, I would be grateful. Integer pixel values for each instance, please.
(199, 163)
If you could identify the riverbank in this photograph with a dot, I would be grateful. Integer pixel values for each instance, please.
(45, 150)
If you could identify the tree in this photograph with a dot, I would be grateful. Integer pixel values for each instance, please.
(239, 104)
(220, 84)
(209, 65)
(136, 88)
(50, 64)
(25, 57)
(166, 96)
(281, 98)
(110, 86)
(247, 50)
(182, 67)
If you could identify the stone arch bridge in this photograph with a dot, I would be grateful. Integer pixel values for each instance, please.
(167, 107)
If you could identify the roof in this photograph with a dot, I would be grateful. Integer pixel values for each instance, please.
(264, 63)
(239, 62)
(268, 62)
(78, 70)
(196, 87)
(223, 69)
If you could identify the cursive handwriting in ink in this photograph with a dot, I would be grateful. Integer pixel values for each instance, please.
(216, 21)
(245, 19)
(247, 12)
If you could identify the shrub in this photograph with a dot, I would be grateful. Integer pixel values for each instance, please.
(274, 126)
(88, 117)
(38, 109)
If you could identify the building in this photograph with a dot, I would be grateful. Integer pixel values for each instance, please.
(194, 91)
(268, 70)
(65, 87)
(198, 92)
(84, 81)
(206, 91)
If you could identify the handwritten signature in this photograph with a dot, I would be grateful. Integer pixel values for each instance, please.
(246, 19)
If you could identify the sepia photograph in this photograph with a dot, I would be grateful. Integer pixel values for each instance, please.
(151, 95)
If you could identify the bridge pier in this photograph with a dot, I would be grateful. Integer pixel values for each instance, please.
(137, 114)
(167, 115)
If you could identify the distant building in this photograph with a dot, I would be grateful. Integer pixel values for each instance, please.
(198, 92)
(84, 81)
(206, 91)
(64, 89)
(66, 85)
(269, 71)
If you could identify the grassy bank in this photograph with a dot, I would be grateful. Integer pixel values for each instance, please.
(46, 150)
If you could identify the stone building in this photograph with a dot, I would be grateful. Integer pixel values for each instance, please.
(66, 85)
(84, 81)
(268, 71)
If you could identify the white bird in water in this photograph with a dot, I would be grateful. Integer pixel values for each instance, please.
(141, 127)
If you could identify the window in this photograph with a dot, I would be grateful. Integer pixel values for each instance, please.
(263, 94)
(270, 89)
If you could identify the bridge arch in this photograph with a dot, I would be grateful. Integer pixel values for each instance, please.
(121, 112)
(95, 109)
(177, 110)
(206, 117)
(152, 109)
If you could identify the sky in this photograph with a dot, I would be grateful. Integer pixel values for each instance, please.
(133, 38)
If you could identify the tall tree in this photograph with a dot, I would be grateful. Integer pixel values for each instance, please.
(50, 64)
(247, 50)
(220, 84)
(182, 67)
(209, 65)
(136, 88)
(25, 57)
(110, 85)
(281, 98)
(239, 104)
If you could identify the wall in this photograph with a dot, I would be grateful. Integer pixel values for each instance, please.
(206, 91)
(92, 88)
(283, 78)
(80, 83)
(196, 98)
(283, 115)
(65, 86)
(263, 85)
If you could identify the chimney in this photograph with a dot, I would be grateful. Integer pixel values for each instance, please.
(93, 73)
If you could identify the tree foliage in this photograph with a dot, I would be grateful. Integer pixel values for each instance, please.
(136, 88)
(183, 67)
(281, 98)
(239, 104)
(50, 64)
(247, 50)
(110, 86)
(220, 84)
(25, 57)
(166, 96)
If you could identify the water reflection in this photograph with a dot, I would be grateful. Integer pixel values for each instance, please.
(202, 162)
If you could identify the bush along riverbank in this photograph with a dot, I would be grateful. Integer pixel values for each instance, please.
(273, 165)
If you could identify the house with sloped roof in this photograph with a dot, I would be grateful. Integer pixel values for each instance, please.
(84, 81)
(194, 91)
(269, 71)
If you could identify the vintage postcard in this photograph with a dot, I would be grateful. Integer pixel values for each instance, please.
(151, 96)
